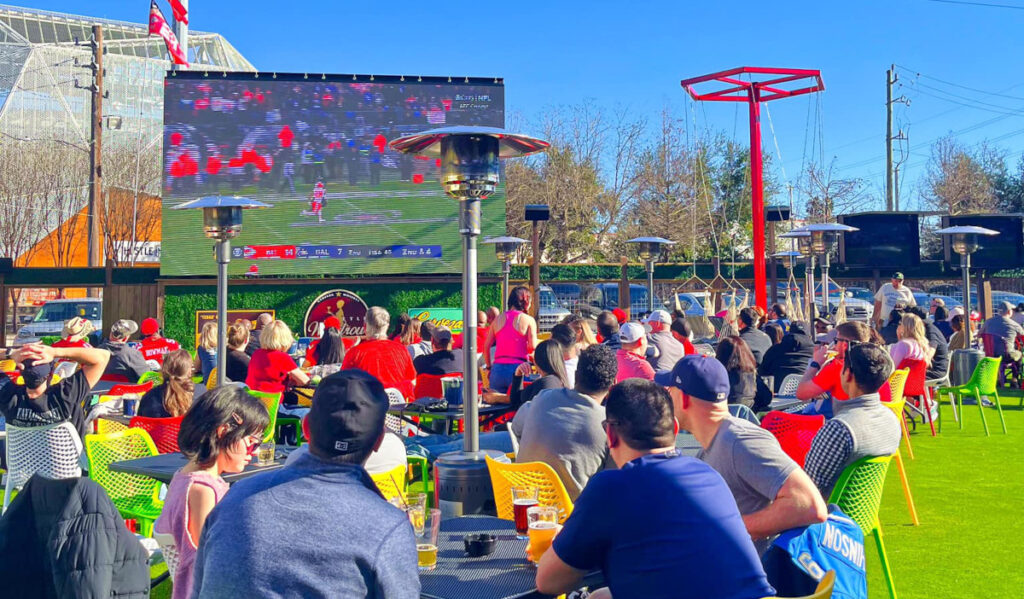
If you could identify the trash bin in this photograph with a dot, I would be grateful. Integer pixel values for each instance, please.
(464, 485)
(962, 365)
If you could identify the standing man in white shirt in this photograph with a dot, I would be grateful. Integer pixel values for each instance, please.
(889, 295)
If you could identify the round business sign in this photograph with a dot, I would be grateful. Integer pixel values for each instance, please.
(346, 306)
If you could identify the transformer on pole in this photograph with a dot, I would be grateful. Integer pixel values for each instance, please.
(763, 85)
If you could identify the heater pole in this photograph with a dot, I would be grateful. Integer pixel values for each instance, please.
(223, 258)
(470, 229)
(965, 264)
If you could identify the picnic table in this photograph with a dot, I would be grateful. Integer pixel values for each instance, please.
(487, 413)
(162, 467)
(504, 574)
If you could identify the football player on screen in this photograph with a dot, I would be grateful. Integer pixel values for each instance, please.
(317, 199)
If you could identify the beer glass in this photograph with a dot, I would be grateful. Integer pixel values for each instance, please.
(522, 499)
(543, 521)
(416, 508)
(265, 454)
(426, 540)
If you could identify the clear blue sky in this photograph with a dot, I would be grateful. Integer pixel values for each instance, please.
(634, 54)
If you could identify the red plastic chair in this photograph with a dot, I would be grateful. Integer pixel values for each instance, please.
(429, 385)
(118, 390)
(795, 432)
(115, 378)
(916, 387)
(164, 431)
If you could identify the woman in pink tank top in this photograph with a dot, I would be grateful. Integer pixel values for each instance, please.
(220, 433)
(514, 336)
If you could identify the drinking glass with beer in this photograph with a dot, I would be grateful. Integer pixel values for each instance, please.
(416, 508)
(543, 523)
(426, 540)
(265, 454)
(523, 498)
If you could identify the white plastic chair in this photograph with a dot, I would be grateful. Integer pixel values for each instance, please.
(169, 551)
(65, 369)
(789, 384)
(515, 442)
(391, 422)
(50, 450)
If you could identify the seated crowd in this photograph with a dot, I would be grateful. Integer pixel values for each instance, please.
(608, 412)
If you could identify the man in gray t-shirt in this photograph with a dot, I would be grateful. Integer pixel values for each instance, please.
(562, 427)
(772, 493)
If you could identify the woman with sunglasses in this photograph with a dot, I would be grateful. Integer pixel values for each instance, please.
(220, 433)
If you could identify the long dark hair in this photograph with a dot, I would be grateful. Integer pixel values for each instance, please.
(230, 405)
(734, 354)
(548, 356)
(519, 298)
(330, 350)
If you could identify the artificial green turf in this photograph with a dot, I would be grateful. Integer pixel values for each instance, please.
(967, 488)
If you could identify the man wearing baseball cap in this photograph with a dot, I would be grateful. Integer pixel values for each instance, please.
(632, 357)
(126, 363)
(890, 294)
(155, 347)
(772, 492)
(663, 348)
(320, 520)
(1002, 326)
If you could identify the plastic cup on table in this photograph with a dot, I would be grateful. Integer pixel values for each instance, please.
(543, 522)
(416, 508)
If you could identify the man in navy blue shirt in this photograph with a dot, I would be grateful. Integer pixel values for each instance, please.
(663, 525)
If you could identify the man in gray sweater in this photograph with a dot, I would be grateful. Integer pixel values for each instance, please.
(861, 426)
(562, 427)
(317, 527)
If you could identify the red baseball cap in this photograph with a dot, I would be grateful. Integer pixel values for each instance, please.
(619, 315)
(149, 327)
(332, 322)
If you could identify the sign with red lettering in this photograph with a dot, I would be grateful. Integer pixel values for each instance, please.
(344, 305)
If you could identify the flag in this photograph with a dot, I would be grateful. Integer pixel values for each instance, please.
(158, 26)
(180, 12)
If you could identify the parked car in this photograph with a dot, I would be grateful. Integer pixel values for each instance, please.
(50, 319)
(599, 297)
(551, 311)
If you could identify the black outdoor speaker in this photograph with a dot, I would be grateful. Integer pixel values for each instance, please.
(884, 240)
(774, 214)
(1005, 250)
(537, 212)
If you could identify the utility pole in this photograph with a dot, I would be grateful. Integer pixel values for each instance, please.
(890, 79)
(181, 32)
(95, 145)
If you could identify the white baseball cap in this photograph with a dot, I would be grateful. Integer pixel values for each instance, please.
(631, 332)
(659, 316)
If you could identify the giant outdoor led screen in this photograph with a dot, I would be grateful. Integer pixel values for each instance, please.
(315, 147)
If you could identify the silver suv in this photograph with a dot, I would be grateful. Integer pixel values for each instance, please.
(551, 311)
(49, 321)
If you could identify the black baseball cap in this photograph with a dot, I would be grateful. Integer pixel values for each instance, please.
(697, 376)
(34, 376)
(347, 414)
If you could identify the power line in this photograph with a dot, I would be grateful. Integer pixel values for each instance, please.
(985, 4)
(917, 73)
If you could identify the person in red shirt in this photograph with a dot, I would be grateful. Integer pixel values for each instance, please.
(271, 369)
(383, 358)
(75, 333)
(155, 347)
(331, 322)
(632, 363)
(482, 326)
(823, 375)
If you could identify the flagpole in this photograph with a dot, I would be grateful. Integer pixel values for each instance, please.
(181, 31)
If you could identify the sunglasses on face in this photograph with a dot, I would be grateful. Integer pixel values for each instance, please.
(252, 443)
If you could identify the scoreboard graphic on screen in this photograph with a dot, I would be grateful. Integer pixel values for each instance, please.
(315, 148)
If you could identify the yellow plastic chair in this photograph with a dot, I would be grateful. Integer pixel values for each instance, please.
(392, 482)
(897, 407)
(8, 366)
(529, 474)
(104, 426)
(897, 382)
(824, 590)
(212, 381)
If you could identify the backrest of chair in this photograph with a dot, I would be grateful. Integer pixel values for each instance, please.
(795, 432)
(211, 381)
(270, 401)
(429, 385)
(514, 440)
(988, 344)
(391, 422)
(169, 550)
(789, 384)
(109, 426)
(65, 369)
(152, 376)
(140, 389)
(859, 490)
(163, 431)
(744, 413)
(8, 365)
(986, 376)
(530, 474)
(50, 450)
(893, 389)
(129, 444)
(392, 482)
(914, 385)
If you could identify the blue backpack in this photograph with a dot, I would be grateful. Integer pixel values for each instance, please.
(799, 558)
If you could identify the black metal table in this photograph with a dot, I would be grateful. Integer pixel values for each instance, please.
(487, 413)
(504, 574)
(162, 467)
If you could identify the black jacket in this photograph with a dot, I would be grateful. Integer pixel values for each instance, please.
(757, 341)
(790, 356)
(65, 538)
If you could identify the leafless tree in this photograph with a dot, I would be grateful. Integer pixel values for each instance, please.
(130, 211)
(828, 195)
(959, 180)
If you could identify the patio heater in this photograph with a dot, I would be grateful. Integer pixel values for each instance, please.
(803, 244)
(469, 173)
(650, 251)
(964, 240)
(823, 237)
(222, 221)
(504, 249)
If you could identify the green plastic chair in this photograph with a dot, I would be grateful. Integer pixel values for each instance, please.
(152, 375)
(136, 496)
(859, 494)
(270, 401)
(420, 463)
(984, 383)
